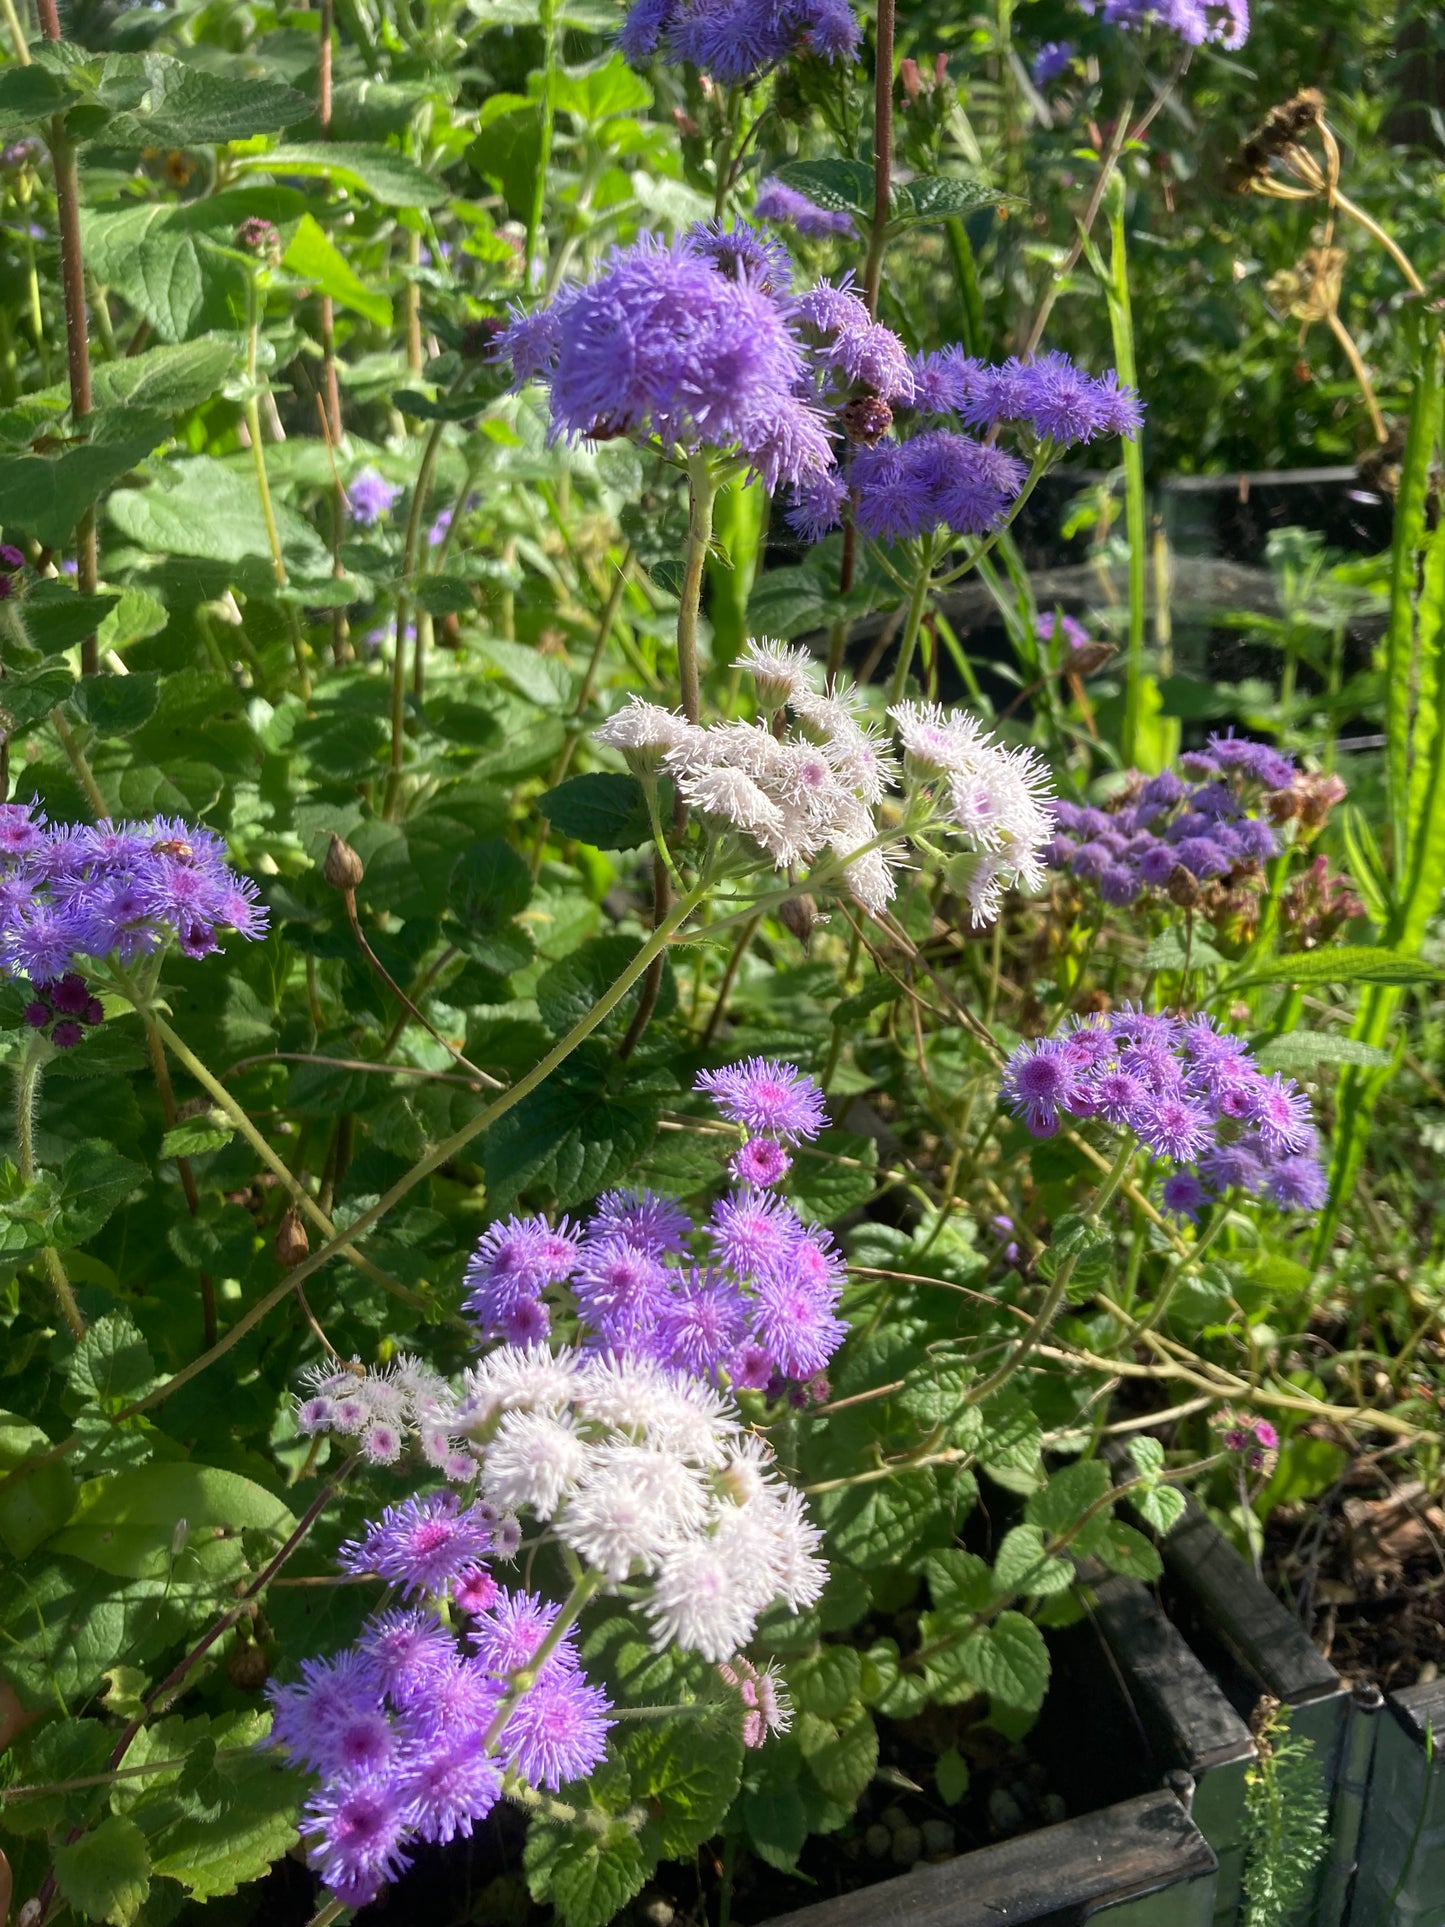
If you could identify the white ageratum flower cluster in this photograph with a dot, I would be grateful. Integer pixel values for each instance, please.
(998, 799)
(647, 1475)
(794, 793)
(380, 1409)
(809, 775)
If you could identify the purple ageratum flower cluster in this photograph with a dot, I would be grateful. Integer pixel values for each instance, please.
(737, 41)
(939, 477)
(778, 202)
(1225, 22)
(1192, 1095)
(694, 342)
(70, 891)
(1051, 62)
(752, 1299)
(1204, 823)
(371, 496)
(1075, 635)
(411, 1729)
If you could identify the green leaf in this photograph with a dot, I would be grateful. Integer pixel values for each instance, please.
(588, 1879)
(94, 1180)
(38, 1504)
(1122, 1549)
(56, 618)
(170, 378)
(311, 257)
(1066, 1497)
(62, 1624)
(1011, 1451)
(118, 705)
(1346, 963)
(1009, 1660)
(1300, 1051)
(541, 679)
(200, 507)
(1024, 1566)
(959, 1583)
(386, 176)
(410, 401)
(842, 1755)
(876, 1525)
(30, 96)
(129, 1524)
(834, 1176)
(567, 1144)
(225, 1827)
(936, 197)
(105, 1875)
(1160, 1506)
(776, 1819)
(112, 1364)
(47, 494)
(196, 1137)
(1171, 951)
(490, 884)
(596, 94)
(824, 1682)
(28, 699)
(177, 104)
(842, 187)
(1086, 1246)
(609, 812)
(686, 1772)
(950, 1776)
(569, 989)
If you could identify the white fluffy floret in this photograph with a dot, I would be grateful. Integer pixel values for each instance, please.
(534, 1460)
(645, 733)
(779, 674)
(701, 1601)
(517, 1378)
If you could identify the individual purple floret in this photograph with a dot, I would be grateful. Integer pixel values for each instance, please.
(1075, 635)
(767, 1097)
(371, 497)
(737, 41)
(778, 202)
(1051, 61)
(421, 1544)
(1192, 1095)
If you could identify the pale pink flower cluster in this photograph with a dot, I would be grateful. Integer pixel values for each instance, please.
(381, 1409)
(998, 799)
(647, 1476)
(808, 776)
(766, 1707)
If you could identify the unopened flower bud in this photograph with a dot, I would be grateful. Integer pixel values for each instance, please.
(867, 419)
(246, 1666)
(1183, 888)
(1089, 658)
(261, 238)
(1280, 806)
(478, 336)
(291, 1243)
(798, 915)
(343, 869)
(683, 121)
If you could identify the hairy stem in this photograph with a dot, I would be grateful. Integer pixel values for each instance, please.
(702, 491)
(434, 1159)
(419, 497)
(27, 1093)
(77, 342)
(531, 261)
(882, 155)
(917, 603)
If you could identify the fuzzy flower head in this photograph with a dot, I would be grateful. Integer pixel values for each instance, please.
(689, 342)
(768, 1098)
(69, 893)
(778, 202)
(1191, 1094)
(738, 41)
(371, 497)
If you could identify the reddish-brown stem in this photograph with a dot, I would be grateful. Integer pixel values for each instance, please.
(77, 346)
(882, 155)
